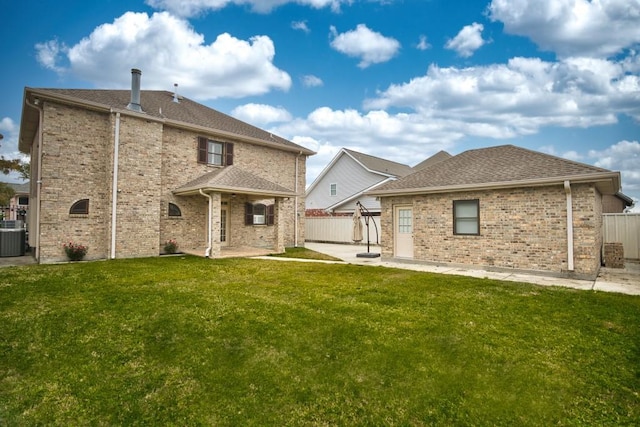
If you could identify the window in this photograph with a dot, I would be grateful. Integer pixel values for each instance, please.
(174, 210)
(215, 152)
(23, 200)
(259, 214)
(466, 217)
(333, 189)
(81, 207)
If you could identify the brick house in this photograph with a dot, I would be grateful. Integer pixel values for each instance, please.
(125, 171)
(499, 208)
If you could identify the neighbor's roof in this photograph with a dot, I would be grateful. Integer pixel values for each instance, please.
(233, 179)
(157, 105)
(376, 164)
(23, 188)
(504, 166)
(438, 157)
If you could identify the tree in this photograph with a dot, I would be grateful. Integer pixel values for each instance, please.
(7, 166)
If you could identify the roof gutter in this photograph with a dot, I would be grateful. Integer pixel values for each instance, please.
(612, 177)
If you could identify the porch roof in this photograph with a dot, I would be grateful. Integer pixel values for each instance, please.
(233, 179)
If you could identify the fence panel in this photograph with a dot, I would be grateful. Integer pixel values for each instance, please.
(338, 229)
(623, 228)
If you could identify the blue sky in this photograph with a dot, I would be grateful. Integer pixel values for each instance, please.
(398, 79)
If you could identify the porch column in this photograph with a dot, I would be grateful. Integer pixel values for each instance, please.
(216, 202)
(279, 226)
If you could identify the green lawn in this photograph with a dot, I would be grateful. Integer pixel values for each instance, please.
(188, 341)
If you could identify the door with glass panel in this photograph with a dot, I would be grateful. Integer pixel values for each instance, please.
(224, 226)
(403, 231)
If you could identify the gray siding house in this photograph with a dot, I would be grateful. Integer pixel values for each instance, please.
(347, 178)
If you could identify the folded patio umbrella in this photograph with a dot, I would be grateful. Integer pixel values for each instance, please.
(357, 225)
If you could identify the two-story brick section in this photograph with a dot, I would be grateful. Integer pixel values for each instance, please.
(124, 171)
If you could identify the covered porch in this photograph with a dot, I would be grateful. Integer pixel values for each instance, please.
(246, 214)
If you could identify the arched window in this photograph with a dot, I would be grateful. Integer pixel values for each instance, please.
(259, 214)
(174, 210)
(81, 207)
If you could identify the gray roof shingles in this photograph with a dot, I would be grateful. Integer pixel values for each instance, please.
(380, 165)
(160, 105)
(501, 164)
(234, 179)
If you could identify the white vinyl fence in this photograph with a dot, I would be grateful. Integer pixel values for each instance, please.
(338, 229)
(623, 228)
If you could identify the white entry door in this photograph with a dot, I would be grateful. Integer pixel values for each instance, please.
(224, 226)
(403, 231)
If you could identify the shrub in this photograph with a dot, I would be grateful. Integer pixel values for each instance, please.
(75, 251)
(170, 246)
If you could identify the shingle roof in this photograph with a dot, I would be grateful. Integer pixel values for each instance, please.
(160, 105)
(233, 179)
(494, 166)
(380, 165)
(438, 157)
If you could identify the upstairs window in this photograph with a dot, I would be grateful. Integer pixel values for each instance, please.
(259, 214)
(333, 189)
(466, 217)
(81, 207)
(215, 152)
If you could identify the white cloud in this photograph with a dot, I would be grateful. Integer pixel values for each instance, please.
(395, 137)
(300, 25)
(168, 51)
(624, 157)
(371, 47)
(598, 28)
(48, 54)
(188, 8)
(468, 40)
(423, 44)
(520, 97)
(261, 114)
(312, 81)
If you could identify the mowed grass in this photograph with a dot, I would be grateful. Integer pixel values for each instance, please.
(189, 341)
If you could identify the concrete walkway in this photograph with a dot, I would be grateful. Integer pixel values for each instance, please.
(626, 281)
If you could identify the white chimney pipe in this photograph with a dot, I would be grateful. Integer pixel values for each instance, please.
(135, 90)
(175, 93)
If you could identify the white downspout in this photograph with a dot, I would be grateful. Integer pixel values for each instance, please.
(567, 190)
(207, 251)
(114, 194)
(38, 178)
(295, 204)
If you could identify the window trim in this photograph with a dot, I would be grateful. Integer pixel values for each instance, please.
(476, 203)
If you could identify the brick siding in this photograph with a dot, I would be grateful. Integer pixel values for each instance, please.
(522, 229)
(154, 159)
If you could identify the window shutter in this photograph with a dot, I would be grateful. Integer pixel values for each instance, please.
(228, 154)
(202, 149)
(271, 214)
(248, 214)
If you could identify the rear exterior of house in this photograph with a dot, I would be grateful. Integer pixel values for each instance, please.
(122, 172)
(499, 208)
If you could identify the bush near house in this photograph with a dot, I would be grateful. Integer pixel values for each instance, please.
(185, 341)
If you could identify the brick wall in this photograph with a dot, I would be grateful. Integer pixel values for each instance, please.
(519, 229)
(154, 161)
(75, 165)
